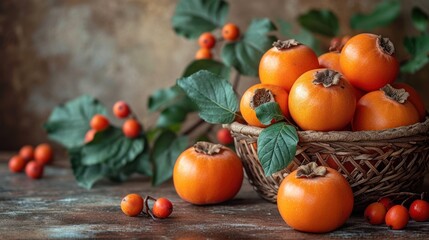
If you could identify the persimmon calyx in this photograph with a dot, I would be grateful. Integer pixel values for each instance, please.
(260, 97)
(398, 95)
(385, 45)
(283, 45)
(327, 77)
(311, 170)
(207, 148)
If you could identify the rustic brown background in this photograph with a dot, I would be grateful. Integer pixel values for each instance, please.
(55, 50)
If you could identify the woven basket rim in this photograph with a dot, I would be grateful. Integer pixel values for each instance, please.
(421, 128)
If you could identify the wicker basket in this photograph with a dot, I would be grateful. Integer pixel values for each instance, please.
(374, 162)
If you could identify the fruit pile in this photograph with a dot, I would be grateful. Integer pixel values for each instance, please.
(396, 216)
(207, 41)
(351, 88)
(32, 160)
(131, 127)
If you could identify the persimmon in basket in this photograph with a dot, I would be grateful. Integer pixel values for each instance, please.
(383, 109)
(259, 94)
(285, 62)
(322, 100)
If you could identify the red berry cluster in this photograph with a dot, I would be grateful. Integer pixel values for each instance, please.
(131, 127)
(396, 216)
(32, 160)
(134, 205)
(207, 41)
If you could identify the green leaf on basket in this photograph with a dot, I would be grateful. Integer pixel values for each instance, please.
(303, 36)
(277, 147)
(69, 122)
(213, 66)
(245, 54)
(269, 112)
(168, 146)
(321, 21)
(420, 19)
(170, 97)
(418, 47)
(383, 14)
(213, 95)
(193, 17)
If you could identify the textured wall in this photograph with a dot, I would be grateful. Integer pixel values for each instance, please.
(55, 50)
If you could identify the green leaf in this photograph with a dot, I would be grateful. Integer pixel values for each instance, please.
(415, 64)
(172, 117)
(170, 97)
(113, 148)
(420, 19)
(303, 36)
(166, 149)
(69, 122)
(86, 176)
(145, 166)
(246, 53)
(418, 47)
(321, 21)
(383, 14)
(269, 112)
(213, 95)
(213, 66)
(277, 147)
(193, 17)
(109, 155)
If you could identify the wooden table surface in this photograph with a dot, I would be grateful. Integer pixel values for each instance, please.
(54, 207)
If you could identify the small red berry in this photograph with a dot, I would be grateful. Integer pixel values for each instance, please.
(131, 128)
(132, 204)
(207, 40)
(43, 153)
(230, 32)
(89, 136)
(419, 210)
(99, 122)
(375, 213)
(224, 136)
(397, 217)
(387, 202)
(34, 170)
(162, 208)
(27, 152)
(203, 53)
(121, 109)
(17, 164)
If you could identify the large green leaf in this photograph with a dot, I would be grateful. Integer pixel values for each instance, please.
(193, 17)
(170, 97)
(321, 21)
(166, 149)
(277, 147)
(383, 14)
(213, 66)
(69, 122)
(246, 53)
(213, 95)
(269, 112)
(109, 155)
(303, 36)
(113, 148)
(420, 19)
(418, 47)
